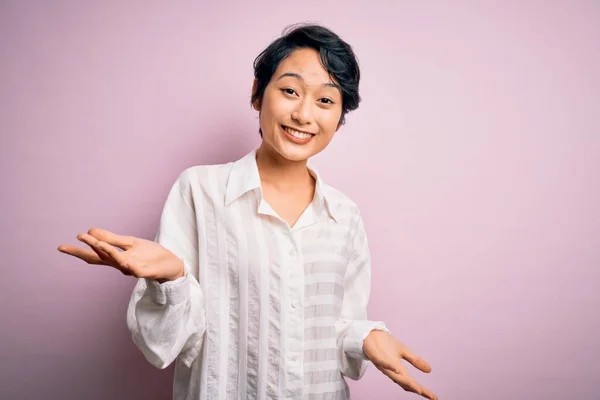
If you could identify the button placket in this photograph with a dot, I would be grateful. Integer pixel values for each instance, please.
(296, 314)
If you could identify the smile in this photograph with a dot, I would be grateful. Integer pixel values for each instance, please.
(297, 134)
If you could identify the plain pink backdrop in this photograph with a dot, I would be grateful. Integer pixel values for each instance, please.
(475, 158)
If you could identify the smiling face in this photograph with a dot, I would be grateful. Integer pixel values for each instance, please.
(301, 107)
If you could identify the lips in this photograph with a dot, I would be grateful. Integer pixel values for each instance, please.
(297, 134)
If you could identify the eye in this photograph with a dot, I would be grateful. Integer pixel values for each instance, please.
(289, 91)
(325, 100)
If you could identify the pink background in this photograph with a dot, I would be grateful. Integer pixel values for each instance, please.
(475, 158)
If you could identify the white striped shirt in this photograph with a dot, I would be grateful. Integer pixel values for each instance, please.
(264, 311)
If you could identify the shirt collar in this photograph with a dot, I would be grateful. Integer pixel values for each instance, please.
(324, 200)
(244, 177)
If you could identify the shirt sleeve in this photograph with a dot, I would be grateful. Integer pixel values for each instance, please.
(353, 326)
(168, 320)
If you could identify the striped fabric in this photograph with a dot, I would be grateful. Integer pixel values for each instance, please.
(264, 311)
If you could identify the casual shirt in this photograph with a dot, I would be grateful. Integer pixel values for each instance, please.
(264, 310)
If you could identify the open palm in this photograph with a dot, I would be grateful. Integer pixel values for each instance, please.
(131, 255)
(387, 353)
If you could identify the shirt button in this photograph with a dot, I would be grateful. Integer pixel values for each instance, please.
(292, 253)
(294, 358)
(295, 304)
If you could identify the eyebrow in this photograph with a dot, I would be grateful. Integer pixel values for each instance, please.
(299, 77)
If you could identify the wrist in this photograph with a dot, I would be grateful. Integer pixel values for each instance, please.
(378, 329)
(179, 274)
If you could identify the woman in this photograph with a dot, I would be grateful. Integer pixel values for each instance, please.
(258, 281)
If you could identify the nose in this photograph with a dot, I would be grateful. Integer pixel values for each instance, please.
(303, 114)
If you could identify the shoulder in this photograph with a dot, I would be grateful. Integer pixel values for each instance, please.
(204, 176)
(341, 205)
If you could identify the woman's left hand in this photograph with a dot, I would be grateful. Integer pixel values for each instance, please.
(387, 353)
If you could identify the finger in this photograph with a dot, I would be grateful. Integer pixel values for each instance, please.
(87, 239)
(404, 372)
(428, 394)
(102, 253)
(391, 364)
(406, 382)
(122, 263)
(88, 256)
(415, 361)
(122, 242)
(112, 252)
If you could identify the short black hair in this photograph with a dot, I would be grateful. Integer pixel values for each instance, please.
(337, 57)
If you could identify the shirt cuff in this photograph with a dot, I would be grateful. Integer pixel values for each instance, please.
(356, 335)
(171, 292)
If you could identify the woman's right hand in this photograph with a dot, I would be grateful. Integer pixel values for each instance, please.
(139, 257)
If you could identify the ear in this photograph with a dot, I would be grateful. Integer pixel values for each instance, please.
(255, 103)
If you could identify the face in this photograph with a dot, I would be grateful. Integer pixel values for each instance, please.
(301, 107)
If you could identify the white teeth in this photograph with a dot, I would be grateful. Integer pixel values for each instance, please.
(296, 134)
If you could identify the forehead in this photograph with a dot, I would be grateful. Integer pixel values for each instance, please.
(305, 62)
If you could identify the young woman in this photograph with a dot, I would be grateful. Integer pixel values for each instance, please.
(258, 281)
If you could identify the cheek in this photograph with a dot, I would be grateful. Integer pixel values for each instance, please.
(275, 106)
(329, 121)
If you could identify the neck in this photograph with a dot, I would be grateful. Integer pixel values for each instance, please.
(279, 172)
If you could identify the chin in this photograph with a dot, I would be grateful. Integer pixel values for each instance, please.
(295, 153)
